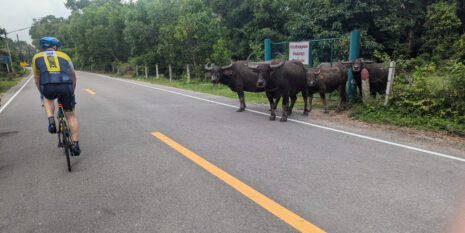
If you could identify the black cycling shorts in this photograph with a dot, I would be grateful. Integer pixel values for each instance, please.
(64, 93)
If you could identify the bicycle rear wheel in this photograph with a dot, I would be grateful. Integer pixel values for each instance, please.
(66, 144)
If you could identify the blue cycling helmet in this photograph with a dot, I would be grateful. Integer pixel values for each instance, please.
(49, 41)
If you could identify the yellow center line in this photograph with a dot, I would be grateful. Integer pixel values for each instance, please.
(279, 211)
(90, 91)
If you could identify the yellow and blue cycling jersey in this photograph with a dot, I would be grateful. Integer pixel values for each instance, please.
(52, 67)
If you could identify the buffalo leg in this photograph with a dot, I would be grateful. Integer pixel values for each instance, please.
(310, 100)
(323, 99)
(289, 110)
(277, 101)
(240, 94)
(285, 107)
(342, 98)
(305, 97)
(272, 106)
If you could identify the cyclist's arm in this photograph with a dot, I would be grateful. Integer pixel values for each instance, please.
(36, 72)
(72, 73)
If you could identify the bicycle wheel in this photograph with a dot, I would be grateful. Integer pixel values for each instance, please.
(66, 144)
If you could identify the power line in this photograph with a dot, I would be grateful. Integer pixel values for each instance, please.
(18, 30)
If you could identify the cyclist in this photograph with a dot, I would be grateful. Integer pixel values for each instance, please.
(55, 78)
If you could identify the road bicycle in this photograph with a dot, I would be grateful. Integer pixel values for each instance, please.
(64, 135)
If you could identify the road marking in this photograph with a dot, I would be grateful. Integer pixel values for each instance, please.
(279, 211)
(90, 91)
(297, 121)
(11, 99)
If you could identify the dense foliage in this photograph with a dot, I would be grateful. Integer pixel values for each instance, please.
(426, 37)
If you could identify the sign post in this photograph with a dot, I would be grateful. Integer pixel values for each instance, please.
(299, 51)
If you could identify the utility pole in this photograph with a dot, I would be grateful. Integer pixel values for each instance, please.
(8, 47)
(9, 54)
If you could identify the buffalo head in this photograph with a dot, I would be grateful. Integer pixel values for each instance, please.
(356, 65)
(264, 70)
(218, 72)
(312, 77)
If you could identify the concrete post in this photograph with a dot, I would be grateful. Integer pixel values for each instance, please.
(392, 71)
(137, 70)
(169, 67)
(188, 74)
(146, 72)
(365, 84)
(156, 67)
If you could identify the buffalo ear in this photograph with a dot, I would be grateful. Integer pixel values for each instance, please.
(208, 74)
(228, 72)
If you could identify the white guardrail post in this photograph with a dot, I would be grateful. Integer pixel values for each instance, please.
(188, 74)
(392, 71)
(156, 67)
(169, 67)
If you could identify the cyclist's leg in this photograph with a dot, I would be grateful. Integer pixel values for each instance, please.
(68, 102)
(49, 105)
(73, 125)
(49, 93)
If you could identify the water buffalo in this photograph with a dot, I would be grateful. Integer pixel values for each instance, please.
(237, 77)
(285, 80)
(335, 64)
(326, 80)
(378, 73)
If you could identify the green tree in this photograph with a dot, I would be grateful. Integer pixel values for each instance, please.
(97, 35)
(46, 26)
(441, 29)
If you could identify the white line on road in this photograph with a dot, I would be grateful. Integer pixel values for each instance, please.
(297, 121)
(9, 101)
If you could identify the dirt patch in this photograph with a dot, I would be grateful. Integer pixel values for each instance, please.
(341, 120)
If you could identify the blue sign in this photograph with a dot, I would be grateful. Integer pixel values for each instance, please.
(4, 59)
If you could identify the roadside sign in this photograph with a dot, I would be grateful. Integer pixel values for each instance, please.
(299, 51)
(4, 59)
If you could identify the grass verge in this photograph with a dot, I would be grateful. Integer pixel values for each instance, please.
(7, 83)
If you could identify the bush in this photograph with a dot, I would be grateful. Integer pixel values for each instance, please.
(459, 47)
(125, 69)
(456, 80)
(425, 104)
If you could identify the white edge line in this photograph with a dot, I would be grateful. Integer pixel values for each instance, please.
(11, 99)
(301, 122)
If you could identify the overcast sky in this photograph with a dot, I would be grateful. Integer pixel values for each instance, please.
(17, 14)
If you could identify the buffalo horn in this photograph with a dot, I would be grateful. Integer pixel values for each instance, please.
(228, 66)
(317, 73)
(345, 62)
(364, 61)
(208, 68)
(253, 67)
(281, 63)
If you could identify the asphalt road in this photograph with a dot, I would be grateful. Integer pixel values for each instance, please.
(128, 180)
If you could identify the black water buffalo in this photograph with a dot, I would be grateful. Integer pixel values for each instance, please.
(326, 80)
(285, 80)
(378, 73)
(237, 77)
